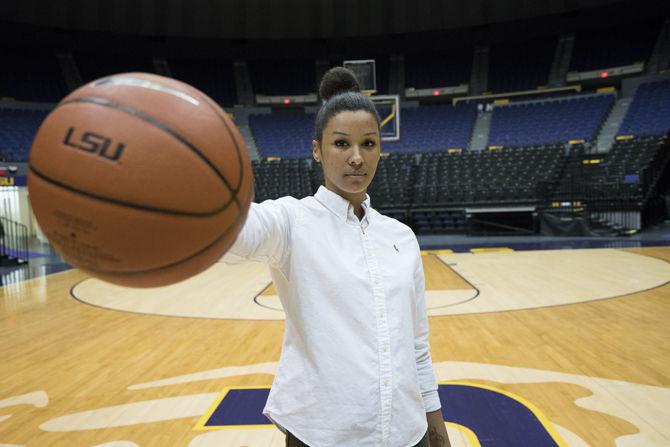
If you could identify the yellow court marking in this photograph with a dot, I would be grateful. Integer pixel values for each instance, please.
(200, 426)
(533, 409)
(437, 252)
(270, 290)
(491, 250)
(473, 441)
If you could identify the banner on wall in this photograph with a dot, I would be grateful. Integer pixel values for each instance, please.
(19, 180)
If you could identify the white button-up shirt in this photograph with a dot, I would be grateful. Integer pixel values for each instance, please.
(355, 368)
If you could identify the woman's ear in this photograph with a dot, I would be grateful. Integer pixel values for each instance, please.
(316, 149)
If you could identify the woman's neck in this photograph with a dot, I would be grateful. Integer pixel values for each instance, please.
(356, 199)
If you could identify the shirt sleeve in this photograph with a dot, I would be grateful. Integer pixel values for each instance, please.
(424, 362)
(265, 235)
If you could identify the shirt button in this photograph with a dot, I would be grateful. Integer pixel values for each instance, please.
(386, 348)
(386, 382)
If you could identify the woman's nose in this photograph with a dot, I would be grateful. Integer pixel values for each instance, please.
(356, 159)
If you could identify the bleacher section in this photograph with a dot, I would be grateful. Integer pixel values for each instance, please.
(286, 135)
(549, 122)
(278, 178)
(486, 177)
(31, 76)
(613, 47)
(438, 69)
(433, 128)
(95, 66)
(392, 185)
(424, 129)
(540, 157)
(627, 160)
(520, 66)
(627, 179)
(649, 113)
(283, 77)
(432, 191)
(439, 180)
(212, 76)
(17, 130)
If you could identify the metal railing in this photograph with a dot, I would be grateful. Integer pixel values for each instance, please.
(13, 242)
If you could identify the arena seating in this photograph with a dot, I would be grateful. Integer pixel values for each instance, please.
(649, 113)
(626, 165)
(286, 135)
(212, 76)
(520, 66)
(31, 76)
(434, 127)
(392, 185)
(424, 129)
(438, 221)
(438, 69)
(550, 121)
(94, 66)
(390, 190)
(17, 132)
(430, 191)
(509, 176)
(280, 178)
(617, 175)
(420, 179)
(628, 158)
(613, 46)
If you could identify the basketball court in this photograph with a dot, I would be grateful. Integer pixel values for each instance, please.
(536, 341)
(537, 347)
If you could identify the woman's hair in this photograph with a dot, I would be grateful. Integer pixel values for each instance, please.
(341, 92)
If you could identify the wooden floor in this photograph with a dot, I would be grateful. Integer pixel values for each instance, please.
(580, 336)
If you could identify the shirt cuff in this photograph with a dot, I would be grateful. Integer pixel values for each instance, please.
(431, 400)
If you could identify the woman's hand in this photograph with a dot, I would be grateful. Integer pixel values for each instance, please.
(437, 431)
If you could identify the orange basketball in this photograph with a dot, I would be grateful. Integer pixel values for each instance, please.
(139, 179)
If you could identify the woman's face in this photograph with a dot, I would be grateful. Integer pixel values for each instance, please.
(349, 152)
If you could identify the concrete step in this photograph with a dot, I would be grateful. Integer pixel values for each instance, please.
(612, 124)
(480, 131)
(249, 140)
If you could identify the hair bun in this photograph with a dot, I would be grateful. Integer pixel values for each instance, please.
(338, 80)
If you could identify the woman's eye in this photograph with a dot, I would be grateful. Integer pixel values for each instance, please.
(370, 143)
(341, 143)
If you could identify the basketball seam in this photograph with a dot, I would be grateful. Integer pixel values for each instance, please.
(237, 147)
(128, 204)
(104, 102)
(172, 264)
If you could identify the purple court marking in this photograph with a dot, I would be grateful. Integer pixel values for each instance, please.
(15, 253)
(569, 244)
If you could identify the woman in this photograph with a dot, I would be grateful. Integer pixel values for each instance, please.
(355, 368)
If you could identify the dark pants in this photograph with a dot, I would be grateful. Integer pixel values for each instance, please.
(292, 441)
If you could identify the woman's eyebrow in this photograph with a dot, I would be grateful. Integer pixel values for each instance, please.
(341, 133)
(371, 133)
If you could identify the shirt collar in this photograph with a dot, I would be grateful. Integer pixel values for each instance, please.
(339, 205)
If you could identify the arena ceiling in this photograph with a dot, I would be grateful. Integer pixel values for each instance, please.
(280, 19)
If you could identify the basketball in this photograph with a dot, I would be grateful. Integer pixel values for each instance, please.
(139, 180)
